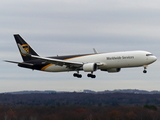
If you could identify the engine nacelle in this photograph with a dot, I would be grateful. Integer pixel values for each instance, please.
(111, 70)
(90, 67)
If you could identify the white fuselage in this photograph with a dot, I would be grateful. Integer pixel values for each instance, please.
(110, 60)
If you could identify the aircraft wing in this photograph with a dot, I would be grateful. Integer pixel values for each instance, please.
(69, 64)
(59, 62)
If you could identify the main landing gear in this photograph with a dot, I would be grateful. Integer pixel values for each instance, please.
(91, 75)
(80, 76)
(77, 75)
(145, 67)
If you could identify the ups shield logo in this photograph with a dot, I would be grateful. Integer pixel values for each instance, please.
(26, 48)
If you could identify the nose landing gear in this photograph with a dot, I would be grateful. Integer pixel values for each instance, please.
(145, 67)
(144, 71)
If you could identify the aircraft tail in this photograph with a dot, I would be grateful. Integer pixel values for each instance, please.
(21, 42)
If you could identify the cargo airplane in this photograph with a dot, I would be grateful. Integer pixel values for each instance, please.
(110, 62)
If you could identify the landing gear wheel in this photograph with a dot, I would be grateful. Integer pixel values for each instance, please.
(91, 76)
(77, 75)
(144, 71)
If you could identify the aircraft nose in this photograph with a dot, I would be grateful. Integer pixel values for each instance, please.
(153, 58)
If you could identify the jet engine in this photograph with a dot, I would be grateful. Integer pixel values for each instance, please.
(90, 67)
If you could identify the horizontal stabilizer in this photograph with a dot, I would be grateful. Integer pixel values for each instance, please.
(19, 62)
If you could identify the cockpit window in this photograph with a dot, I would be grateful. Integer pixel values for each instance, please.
(149, 54)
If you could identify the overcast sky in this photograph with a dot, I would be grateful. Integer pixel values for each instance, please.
(60, 27)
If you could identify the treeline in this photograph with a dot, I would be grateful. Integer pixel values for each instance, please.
(79, 106)
(85, 99)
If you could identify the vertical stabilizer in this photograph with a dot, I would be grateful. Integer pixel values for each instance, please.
(21, 42)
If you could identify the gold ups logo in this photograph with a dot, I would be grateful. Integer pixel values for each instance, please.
(26, 48)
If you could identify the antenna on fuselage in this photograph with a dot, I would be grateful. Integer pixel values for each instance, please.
(95, 51)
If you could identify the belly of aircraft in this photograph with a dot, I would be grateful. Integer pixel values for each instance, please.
(56, 68)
